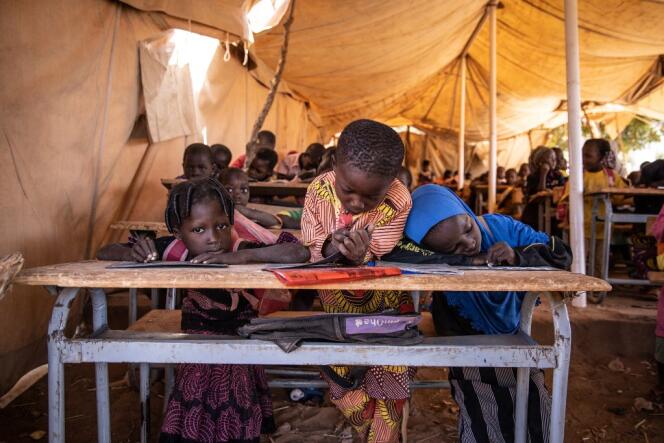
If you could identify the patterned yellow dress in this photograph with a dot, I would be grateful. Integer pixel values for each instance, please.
(374, 401)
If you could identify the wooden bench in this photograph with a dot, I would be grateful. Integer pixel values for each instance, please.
(144, 347)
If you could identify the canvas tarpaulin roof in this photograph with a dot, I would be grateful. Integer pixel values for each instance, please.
(389, 59)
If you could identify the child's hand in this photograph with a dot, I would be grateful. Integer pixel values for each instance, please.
(353, 244)
(144, 250)
(227, 258)
(501, 253)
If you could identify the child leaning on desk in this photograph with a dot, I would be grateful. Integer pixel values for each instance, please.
(221, 403)
(441, 228)
(359, 209)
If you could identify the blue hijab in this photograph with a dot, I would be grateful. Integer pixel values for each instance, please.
(488, 312)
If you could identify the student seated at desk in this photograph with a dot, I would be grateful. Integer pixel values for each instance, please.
(651, 175)
(236, 182)
(544, 176)
(264, 139)
(220, 403)
(301, 165)
(359, 209)
(221, 156)
(524, 172)
(510, 201)
(441, 228)
(596, 175)
(262, 166)
(197, 162)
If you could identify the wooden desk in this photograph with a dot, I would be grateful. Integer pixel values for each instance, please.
(278, 189)
(610, 217)
(656, 277)
(168, 183)
(112, 346)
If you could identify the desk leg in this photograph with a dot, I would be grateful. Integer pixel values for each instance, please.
(540, 217)
(56, 369)
(415, 295)
(154, 298)
(562, 332)
(547, 215)
(145, 402)
(133, 305)
(169, 373)
(606, 245)
(99, 324)
(593, 236)
(523, 375)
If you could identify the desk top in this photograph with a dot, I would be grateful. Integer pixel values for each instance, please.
(656, 277)
(169, 182)
(94, 274)
(139, 226)
(628, 192)
(483, 187)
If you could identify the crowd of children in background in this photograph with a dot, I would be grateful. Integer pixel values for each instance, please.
(359, 204)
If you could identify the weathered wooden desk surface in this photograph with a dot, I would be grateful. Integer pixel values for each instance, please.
(656, 277)
(278, 189)
(628, 192)
(94, 273)
(169, 182)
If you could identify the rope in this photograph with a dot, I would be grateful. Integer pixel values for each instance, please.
(274, 84)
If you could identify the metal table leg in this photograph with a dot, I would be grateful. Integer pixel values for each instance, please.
(547, 215)
(523, 375)
(56, 369)
(145, 402)
(593, 235)
(100, 324)
(562, 332)
(608, 221)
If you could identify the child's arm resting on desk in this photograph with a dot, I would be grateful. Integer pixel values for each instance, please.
(264, 219)
(142, 251)
(279, 253)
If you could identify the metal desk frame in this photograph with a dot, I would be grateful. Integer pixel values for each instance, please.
(112, 346)
(609, 218)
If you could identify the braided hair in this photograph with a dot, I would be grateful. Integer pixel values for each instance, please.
(371, 147)
(184, 195)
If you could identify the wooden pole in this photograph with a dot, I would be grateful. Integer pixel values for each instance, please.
(493, 136)
(574, 137)
(461, 167)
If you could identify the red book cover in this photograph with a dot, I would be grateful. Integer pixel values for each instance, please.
(312, 276)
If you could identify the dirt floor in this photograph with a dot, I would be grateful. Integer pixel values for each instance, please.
(611, 369)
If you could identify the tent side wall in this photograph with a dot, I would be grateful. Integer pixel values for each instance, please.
(71, 96)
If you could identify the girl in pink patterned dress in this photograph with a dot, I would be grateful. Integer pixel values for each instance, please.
(213, 403)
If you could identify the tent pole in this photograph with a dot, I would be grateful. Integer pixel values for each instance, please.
(461, 167)
(574, 138)
(493, 137)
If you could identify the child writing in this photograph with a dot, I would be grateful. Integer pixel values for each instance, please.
(359, 209)
(441, 228)
(197, 162)
(262, 166)
(220, 403)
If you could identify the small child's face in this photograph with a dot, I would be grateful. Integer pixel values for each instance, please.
(222, 159)
(260, 170)
(511, 177)
(524, 170)
(592, 159)
(458, 235)
(207, 229)
(359, 191)
(197, 166)
(306, 162)
(237, 186)
(500, 172)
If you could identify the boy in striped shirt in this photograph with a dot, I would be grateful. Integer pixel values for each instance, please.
(360, 209)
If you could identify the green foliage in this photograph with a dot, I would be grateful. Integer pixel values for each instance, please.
(639, 133)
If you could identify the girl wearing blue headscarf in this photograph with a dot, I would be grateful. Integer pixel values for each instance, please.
(441, 228)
